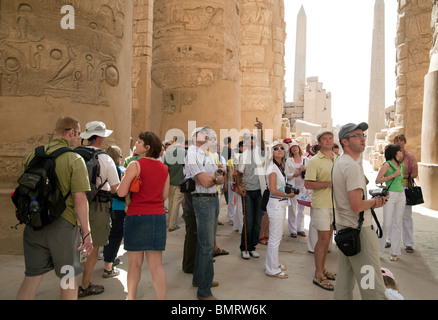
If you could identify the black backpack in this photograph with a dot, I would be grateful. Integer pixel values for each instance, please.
(90, 156)
(39, 180)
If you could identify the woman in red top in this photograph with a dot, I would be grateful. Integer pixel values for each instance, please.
(145, 223)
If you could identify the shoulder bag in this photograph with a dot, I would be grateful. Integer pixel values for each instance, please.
(136, 182)
(413, 194)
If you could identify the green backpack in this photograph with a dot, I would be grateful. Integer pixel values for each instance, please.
(39, 183)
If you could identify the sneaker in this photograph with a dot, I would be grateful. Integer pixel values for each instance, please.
(254, 254)
(245, 255)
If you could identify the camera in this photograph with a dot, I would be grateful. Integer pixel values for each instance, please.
(289, 189)
(220, 171)
(379, 192)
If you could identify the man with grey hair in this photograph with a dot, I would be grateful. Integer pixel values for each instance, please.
(349, 190)
(202, 168)
(250, 170)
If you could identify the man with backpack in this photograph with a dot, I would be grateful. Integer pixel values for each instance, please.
(104, 180)
(59, 243)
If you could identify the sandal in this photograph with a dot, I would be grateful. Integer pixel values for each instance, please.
(90, 290)
(220, 252)
(282, 267)
(264, 241)
(409, 249)
(323, 283)
(301, 233)
(329, 275)
(110, 273)
(393, 258)
(293, 235)
(281, 275)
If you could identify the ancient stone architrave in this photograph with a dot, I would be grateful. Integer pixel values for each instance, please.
(38, 57)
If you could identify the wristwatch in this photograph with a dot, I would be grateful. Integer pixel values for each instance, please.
(215, 179)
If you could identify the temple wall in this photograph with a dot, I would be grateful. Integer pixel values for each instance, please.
(47, 71)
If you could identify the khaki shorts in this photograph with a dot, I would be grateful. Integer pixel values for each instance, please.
(321, 219)
(100, 222)
(53, 247)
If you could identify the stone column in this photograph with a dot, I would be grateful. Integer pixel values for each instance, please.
(428, 167)
(51, 64)
(376, 114)
(195, 66)
(262, 64)
(413, 43)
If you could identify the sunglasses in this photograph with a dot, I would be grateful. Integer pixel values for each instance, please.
(278, 148)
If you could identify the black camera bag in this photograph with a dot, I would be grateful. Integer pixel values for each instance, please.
(187, 185)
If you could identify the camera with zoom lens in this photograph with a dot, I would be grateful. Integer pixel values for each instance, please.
(379, 192)
(289, 189)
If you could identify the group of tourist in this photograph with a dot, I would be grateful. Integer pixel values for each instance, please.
(139, 187)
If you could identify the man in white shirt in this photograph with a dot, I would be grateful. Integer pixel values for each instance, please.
(100, 219)
(251, 171)
(202, 168)
(349, 188)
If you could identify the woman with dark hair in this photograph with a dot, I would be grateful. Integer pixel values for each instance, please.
(145, 222)
(276, 208)
(392, 174)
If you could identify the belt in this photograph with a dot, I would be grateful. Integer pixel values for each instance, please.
(211, 195)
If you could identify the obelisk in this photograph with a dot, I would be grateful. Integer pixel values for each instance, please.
(300, 55)
(376, 112)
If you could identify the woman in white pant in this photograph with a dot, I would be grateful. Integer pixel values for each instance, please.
(295, 166)
(276, 208)
(392, 174)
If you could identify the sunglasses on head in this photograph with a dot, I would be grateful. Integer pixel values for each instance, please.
(278, 148)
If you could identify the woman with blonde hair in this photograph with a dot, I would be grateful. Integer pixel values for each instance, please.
(276, 208)
(145, 223)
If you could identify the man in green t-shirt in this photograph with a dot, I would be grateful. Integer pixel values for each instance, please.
(59, 244)
(174, 160)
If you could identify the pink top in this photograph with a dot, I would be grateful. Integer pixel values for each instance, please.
(148, 200)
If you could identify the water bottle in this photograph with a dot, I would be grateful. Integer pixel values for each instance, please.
(34, 206)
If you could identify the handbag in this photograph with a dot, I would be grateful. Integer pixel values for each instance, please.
(187, 185)
(136, 182)
(413, 194)
(265, 199)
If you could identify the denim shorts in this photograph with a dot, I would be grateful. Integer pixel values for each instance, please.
(145, 232)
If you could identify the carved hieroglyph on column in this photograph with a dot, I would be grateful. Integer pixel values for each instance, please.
(428, 167)
(38, 57)
(195, 47)
(413, 43)
(262, 63)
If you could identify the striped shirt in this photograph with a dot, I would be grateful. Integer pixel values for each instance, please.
(196, 162)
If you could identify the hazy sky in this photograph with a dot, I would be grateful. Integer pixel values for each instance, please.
(339, 38)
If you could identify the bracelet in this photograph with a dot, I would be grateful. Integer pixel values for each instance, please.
(86, 236)
(387, 178)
